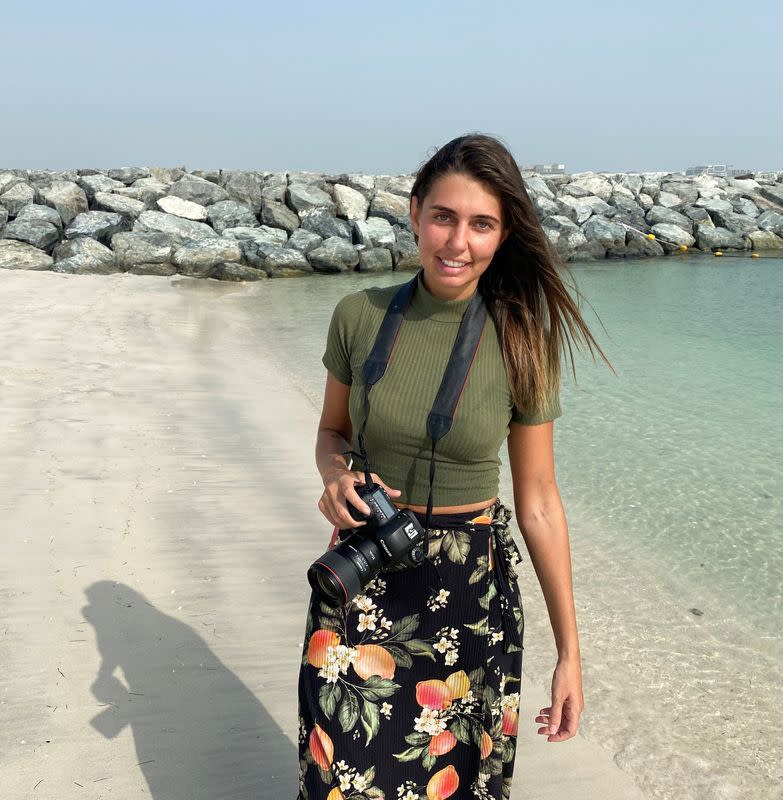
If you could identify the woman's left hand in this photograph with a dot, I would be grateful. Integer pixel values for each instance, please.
(561, 719)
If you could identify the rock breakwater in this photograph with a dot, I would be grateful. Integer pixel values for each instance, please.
(247, 225)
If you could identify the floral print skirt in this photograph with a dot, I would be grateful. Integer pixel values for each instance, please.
(411, 690)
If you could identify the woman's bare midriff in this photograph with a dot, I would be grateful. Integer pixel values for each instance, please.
(449, 509)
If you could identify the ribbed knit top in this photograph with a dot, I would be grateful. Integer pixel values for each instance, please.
(467, 463)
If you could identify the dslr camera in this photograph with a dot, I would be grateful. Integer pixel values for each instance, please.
(391, 539)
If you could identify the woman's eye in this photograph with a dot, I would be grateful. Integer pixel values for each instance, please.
(484, 226)
(442, 217)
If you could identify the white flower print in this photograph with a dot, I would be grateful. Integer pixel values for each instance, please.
(367, 622)
(345, 782)
(386, 710)
(431, 721)
(363, 603)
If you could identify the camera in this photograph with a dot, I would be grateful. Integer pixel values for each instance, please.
(391, 538)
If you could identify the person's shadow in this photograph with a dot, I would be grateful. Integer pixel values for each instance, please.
(200, 733)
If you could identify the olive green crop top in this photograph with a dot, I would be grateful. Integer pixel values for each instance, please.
(467, 463)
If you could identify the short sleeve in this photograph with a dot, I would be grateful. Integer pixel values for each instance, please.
(342, 333)
(551, 411)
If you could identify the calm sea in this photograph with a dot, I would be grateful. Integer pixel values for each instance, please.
(671, 476)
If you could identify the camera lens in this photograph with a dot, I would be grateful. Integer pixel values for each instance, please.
(339, 574)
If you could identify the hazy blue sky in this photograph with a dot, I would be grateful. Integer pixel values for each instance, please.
(349, 86)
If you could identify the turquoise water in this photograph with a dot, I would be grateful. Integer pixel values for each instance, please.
(670, 473)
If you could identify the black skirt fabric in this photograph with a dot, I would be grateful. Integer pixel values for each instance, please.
(411, 691)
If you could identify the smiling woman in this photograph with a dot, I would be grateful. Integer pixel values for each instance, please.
(411, 689)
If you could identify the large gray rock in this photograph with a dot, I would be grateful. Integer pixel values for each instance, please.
(231, 271)
(3, 218)
(278, 215)
(68, 198)
(245, 187)
(670, 237)
(406, 251)
(304, 197)
(537, 186)
(608, 233)
(257, 243)
(304, 177)
(334, 255)
(745, 206)
(589, 251)
(85, 247)
(627, 211)
(198, 190)
(580, 209)
(699, 215)
(391, 207)
(36, 232)
(99, 225)
(765, 240)
(43, 178)
(304, 241)
(659, 214)
(20, 255)
(401, 185)
(92, 184)
(566, 241)
(124, 206)
(734, 222)
(374, 232)
(594, 184)
(645, 201)
(145, 194)
(632, 182)
(561, 223)
(128, 175)
(182, 208)
(17, 197)
(669, 200)
(711, 238)
(167, 175)
(713, 204)
(184, 229)
(285, 262)
(39, 213)
(640, 247)
(362, 183)
(575, 190)
(379, 259)
(351, 203)
(544, 206)
(771, 221)
(198, 259)
(145, 253)
(320, 221)
(9, 179)
(774, 194)
(687, 192)
(230, 214)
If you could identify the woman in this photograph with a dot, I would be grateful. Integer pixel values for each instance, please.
(411, 690)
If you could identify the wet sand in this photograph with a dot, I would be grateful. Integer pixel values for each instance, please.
(158, 497)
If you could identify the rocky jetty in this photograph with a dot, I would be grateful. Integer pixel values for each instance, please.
(244, 225)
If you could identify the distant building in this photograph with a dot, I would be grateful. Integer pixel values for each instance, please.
(549, 169)
(719, 170)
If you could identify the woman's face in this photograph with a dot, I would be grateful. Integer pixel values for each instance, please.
(459, 224)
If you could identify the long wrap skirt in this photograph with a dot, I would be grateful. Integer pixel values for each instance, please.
(411, 690)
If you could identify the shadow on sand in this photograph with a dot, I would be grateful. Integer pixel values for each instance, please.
(200, 733)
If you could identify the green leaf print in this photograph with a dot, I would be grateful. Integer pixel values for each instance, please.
(428, 760)
(461, 730)
(411, 754)
(418, 739)
(495, 765)
(418, 647)
(401, 658)
(348, 714)
(369, 776)
(476, 731)
(507, 751)
(457, 546)
(403, 629)
(371, 722)
(377, 688)
(374, 793)
(481, 570)
(480, 628)
(325, 775)
(329, 697)
(476, 678)
(484, 600)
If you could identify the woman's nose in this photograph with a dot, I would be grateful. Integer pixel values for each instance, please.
(459, 236)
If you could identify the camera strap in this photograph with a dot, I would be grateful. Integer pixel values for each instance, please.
(452, 384)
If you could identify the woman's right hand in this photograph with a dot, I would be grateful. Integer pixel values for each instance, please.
(339, 487)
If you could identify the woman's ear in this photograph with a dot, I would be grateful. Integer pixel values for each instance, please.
(415, 214)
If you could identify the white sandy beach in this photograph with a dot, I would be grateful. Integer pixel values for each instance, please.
(158, 498)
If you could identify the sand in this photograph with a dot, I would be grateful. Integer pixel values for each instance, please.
(158, 497)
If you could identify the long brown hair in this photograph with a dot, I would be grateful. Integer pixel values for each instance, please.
(522, 287)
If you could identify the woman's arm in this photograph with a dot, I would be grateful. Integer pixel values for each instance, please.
(542, 521)
(334, 436)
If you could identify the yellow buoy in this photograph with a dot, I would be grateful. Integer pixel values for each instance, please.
(651, 237)
(718, 253)
(754, 255)
(683, 247)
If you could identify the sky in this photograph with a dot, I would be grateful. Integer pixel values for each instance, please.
(375, 87)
